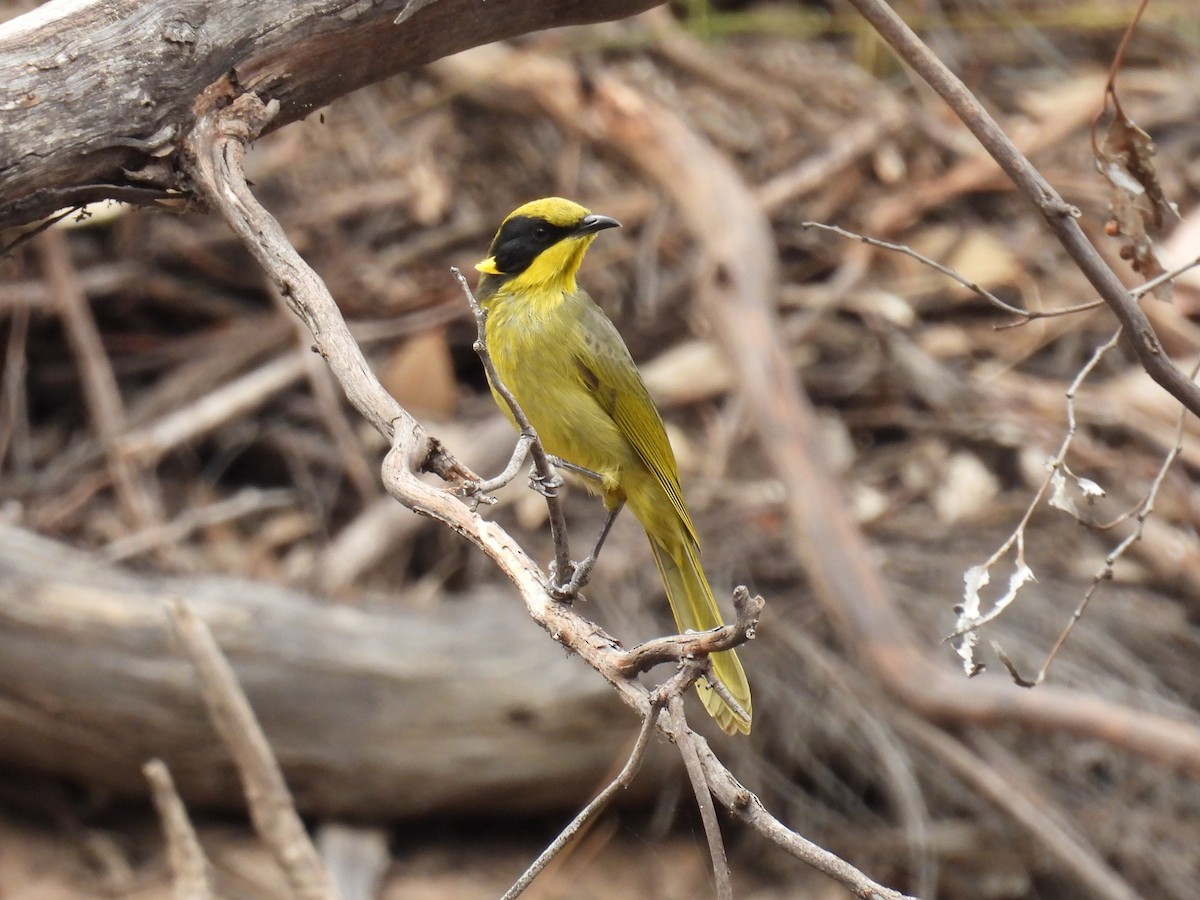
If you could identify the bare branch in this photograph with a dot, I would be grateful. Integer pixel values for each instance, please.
(271, 807)
(675, 647)
(708, 813)
(190, 868)
(593, 809)
(1059, 216)
(1025, 315)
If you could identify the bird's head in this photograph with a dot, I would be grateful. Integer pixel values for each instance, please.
(541, 244)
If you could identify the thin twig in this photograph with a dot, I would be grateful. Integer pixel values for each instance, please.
(1164, 277)
(245, 502)
(267, 796)
(44, 225)
(1114, 67)
(970, 619)
(1060, 216)
(548, 481)
(1143, 511)
(674, 647)
(1024, 314)
(480, 491)
(704, 800)
(593, 809)
(190, 869)
(101, 391)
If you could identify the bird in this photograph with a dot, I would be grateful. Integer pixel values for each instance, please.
(564, 362)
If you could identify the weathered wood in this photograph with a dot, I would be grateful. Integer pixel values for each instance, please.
(372, 712)
(96, 94)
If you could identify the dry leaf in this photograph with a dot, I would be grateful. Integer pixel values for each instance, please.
(1138, 204)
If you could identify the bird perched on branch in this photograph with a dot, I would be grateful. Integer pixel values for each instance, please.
(570, 372)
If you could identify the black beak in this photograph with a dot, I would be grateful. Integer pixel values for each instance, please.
(592, 223)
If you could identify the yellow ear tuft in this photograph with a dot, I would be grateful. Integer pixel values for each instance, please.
(488, 266)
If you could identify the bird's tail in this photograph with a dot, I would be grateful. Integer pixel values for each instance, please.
(695, 609)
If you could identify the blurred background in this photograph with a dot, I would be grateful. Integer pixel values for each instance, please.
(195, 445)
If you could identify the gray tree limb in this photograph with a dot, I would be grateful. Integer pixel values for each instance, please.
(95, 95)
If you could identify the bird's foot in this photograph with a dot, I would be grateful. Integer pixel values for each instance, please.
(547, 485)
(564, 591)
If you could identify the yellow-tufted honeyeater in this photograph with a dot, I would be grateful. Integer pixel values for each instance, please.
(570, 371)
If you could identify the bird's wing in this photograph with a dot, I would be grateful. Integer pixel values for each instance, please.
(612, 378)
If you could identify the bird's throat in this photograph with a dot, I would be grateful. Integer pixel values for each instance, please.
(553, 270)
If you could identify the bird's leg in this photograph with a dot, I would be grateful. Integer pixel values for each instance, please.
(583, 569)
(559, 463)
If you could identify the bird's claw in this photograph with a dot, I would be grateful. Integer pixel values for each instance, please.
(547, 485)
(568, 590)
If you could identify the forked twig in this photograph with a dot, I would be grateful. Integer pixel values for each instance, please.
(586, 815)
(674, 647)
(267, 796)
(1025, 315)
(1142, 511)
(970, 616)
(704, 800)
(1060, 217)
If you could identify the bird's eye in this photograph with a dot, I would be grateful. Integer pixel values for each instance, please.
(541, 233)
